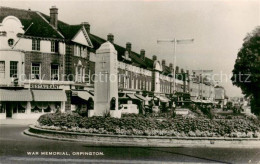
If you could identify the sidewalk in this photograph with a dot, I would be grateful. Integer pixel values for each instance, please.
(18, 121)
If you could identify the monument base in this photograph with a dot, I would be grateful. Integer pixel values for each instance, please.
(115, 113)
(91, 113)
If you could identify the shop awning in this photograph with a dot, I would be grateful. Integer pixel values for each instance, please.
(143, 98)
(49, 95)
(15, 95)
(132, 96)
(162, 98)
(82, 94)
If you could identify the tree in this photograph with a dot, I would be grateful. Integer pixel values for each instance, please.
(246, 72)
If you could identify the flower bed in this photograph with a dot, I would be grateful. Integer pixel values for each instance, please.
(152, 126)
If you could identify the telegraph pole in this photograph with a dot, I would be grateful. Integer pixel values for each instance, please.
(175, 42)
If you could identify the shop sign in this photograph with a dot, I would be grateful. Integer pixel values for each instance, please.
(45, 86)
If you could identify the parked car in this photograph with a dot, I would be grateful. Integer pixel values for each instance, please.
(129, 108)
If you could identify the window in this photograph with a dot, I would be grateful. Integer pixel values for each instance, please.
(54, 72)
(88, 77)
(36, 71)
(36, 44)
(10, 42)
(77, 50)
(13, 68)
(80, 74)
(54, 46)
(2, 69)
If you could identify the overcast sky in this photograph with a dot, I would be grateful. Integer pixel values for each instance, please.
(218, 27)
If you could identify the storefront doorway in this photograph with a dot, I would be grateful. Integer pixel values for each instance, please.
(9, 110)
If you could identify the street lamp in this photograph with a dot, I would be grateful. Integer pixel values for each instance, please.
(175, 42)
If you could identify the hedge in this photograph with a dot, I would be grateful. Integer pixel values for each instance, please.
(152, 126)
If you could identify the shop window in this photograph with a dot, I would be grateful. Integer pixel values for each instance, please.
(36, 109)
(21, 107)
(2, 69)
(48, 109)
(54, 72)
(36, 44)
(54, 46)
(2, 108)
(36, 71)
(13, 68)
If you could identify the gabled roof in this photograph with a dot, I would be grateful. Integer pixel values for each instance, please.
(136, 58)
(68, 31)
(40, 27)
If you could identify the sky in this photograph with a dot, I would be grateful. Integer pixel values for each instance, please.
(218, 28)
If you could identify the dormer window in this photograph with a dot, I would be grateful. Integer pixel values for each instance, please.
(36, 44)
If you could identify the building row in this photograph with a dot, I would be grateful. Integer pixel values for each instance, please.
(48, 65)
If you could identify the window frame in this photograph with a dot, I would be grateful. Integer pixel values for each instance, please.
(2, 71)
(36, 44)
(58, 72)
(11, 69)
(54, 46)
(39, 75)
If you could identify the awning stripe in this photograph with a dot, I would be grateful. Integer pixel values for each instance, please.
(132, 96)
(162, 98)
(49, 95)
(143, 98)
(82, 94)
(15, 95)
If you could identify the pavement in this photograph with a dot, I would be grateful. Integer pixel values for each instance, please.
(10, 121)
(19, 148)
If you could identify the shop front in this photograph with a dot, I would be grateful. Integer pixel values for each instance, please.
(14, 102)
(30, 104)
(82, 101)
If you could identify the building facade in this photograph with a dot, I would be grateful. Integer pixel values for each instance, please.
(48, 65)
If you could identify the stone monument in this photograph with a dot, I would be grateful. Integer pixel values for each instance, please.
(106, 82)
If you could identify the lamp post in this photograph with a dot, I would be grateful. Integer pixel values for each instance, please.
(175, 42)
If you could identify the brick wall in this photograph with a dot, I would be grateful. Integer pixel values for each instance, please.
(45, 59)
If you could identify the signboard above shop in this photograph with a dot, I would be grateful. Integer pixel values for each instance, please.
(45, 86)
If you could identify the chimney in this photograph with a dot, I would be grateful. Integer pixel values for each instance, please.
(154, 57)
(188, 72)
(142, 53)
(163, 62)
(110, 38)
(182, 71)
(87, 26)
(128, 46)
(171, 66)
(177, 69)
(54, 16)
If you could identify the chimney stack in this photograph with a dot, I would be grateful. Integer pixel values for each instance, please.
(110, 38)
(142, 53)
(171, 66)
(128, 46)
(54, 16)
(154, 57)
(163, 62)
(182, 71)
(177, 69)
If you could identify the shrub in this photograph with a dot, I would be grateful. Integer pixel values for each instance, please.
(133, 124)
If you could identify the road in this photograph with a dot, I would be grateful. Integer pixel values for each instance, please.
(15, 146)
